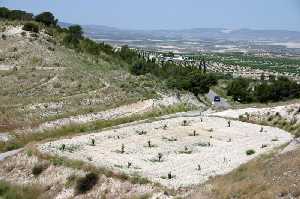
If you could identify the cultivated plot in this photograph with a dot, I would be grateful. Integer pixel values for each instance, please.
(175, 152)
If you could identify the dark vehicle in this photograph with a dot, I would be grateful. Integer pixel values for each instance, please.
(217, 99)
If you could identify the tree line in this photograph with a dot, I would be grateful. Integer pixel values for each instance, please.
(273, 90)
(46, 18)
(180, 77)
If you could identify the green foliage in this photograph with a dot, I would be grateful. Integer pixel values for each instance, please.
(47, 18)
(179, 77)
(245, 91)
(4, 13)
(128, 55)
(73, 37)
(38, 169)
(9, 191)
(277, 90)
(93, 48)
(86, 183)
(239, 90)
(32, 27)
(297, 134)
(250, 152)
(255, 62)
(3, 37)
(75, 31)
(15, 14)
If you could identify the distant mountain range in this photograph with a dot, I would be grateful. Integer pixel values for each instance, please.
(105, 32)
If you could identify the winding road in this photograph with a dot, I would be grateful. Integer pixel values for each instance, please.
(223, 104)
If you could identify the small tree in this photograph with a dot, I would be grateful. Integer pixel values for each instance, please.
(165, 127)
(93, 142)
(63, 147)
(122, 148)
(169, 175)
(76, 31)
(4, 37)
(199, 167)
(86, 183)
(184, 123)
(261, 129)
(46, 18)
(149, 144)
(229, 123)
(159, 156)
(250, 152)
(38, 169)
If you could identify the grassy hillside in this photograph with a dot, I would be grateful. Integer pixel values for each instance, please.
(42, 80)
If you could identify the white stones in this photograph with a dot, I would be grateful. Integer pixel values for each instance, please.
(184, 166)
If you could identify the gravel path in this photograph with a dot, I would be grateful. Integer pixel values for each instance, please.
(122, 111)
(9, 154)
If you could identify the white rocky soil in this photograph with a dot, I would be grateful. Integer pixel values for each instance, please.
(215, 150)
(122, 111)
(289, 112)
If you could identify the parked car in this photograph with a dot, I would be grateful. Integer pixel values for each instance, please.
(217, 99)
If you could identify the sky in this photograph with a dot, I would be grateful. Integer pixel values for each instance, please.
(170, 14)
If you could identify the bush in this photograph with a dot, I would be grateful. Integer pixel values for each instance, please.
(246, 91)
(86, 183)
(4, 37)
(46, 18)
(38, 169)
(32, 27)
(250, 152)
(23, 34)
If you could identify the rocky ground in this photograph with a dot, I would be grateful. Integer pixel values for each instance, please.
(214, 149)
(122, 111)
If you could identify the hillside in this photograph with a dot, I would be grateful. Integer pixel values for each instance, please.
(41, 80)
(80, 119)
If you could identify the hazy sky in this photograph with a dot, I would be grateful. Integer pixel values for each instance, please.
(170, 14)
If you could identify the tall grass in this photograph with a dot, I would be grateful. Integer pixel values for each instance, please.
(10, 191)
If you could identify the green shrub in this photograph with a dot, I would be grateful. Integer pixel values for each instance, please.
(12, 191)
(4, 37)
(38, 169)
(32, 27)
(23, 34)
(86, 183)
(250, 152)
(46, 18)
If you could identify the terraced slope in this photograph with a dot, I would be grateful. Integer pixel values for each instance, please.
(42, 80)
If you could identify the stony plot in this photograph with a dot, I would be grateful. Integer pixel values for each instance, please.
(175, 152)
